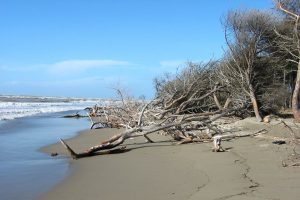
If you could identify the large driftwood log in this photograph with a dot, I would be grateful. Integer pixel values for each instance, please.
(180, 129)
(178, 117)
(243, 134)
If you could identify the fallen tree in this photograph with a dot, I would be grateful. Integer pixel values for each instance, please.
(193, 112)
(181, 129)
(171, 115)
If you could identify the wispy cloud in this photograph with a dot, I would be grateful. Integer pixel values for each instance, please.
(67, 82)
(12, 69)
(71, 66)
(106, 81)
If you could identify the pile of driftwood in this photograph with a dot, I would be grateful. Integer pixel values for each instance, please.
(171, 115)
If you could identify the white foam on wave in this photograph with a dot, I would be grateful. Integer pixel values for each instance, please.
(13, 110)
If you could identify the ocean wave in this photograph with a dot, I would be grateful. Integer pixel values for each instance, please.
(15, 107)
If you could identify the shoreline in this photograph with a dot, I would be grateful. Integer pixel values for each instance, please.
(22, 161)
(252, 169)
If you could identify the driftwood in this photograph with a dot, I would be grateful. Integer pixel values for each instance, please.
(243, 134)
(296, 164)
(119, 139)
(171, 115)
(217, 144)
(85, 154)
(185, 128)
(77, 115)
(218, 138)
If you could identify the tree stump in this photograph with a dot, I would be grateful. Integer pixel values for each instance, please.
(217, 144)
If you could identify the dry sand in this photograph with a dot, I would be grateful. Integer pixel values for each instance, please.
(251, 169)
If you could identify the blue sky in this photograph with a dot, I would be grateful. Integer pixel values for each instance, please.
(83, 48)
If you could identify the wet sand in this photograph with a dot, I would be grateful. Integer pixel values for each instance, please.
(251, 169)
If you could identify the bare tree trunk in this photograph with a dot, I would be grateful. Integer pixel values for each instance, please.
(227, 102)
(296, 40)
(295, 99)
(254, 104)
(217, 102)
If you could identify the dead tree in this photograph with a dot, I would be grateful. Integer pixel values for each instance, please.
(192, 90)
(141, 118)
(290, 43)
(180, 128)
(244, 32)
(186, 110)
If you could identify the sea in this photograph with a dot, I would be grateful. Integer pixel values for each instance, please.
(28, 123)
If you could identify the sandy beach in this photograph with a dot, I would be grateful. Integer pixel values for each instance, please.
(251, 169)
(150, 100)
